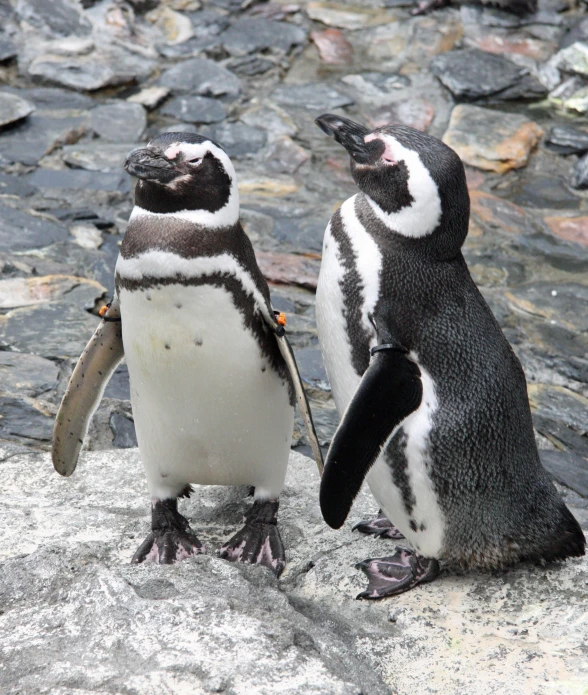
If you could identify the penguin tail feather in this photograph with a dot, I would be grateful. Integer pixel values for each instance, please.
(568, 539)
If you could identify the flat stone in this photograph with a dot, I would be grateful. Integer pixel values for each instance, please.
(315, 96)
(54, 17)
(7, 48)
(285, 156)
(491, 140)
(53, 330)
(574, 229)
(123, 429)
(333, 47)
(560, 415)
(118, 387)
(580, 177)
(565, 140)
(417, 113)
(39, 135)
(21, 420)
(473, 74)
(289, 268)
(546, 192)
(149, 97)
(249, 35)
(271, 118)
(21, 232)
(568, 469)
(195, 109)
(79, 179)
(577, 101)
(176, 27)
(237, 139)
(97, 155)
(573, 59)
(201, 76)
(250, 65)
(55, 100)
(345, 16)
(119, 121)
(376, 87)
(493, 214)
(26, 375)
(557, 303)
(516, 45)
(13, 108)
(27, 291)
(16, 186)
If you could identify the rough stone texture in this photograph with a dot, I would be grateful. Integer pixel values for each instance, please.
(249, 35)
(318, 97)
(573, 229)
(201, 76)
(119, 122)
(77, 615)
(195, 109)
(13, 108)
(491, 140)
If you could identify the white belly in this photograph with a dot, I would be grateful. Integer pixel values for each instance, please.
(208, 408)
(344, 380)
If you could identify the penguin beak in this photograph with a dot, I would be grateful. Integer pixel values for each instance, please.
(149, 165)
(351, 135)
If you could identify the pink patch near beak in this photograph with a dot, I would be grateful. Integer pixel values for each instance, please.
(387, 154)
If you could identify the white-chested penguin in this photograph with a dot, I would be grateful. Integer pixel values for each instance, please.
(212, 379)
(433, 399)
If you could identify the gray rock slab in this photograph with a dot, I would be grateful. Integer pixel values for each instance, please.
(97, 155)
(118, 386)
(26, 375)
(38, 135)
(20, 231)
(195, 109)
(237, 139)
(77, 615)
(201, 76)
(315, 96)
(79, 179)
(56, 100)
(123, 429)
(15, 185)
(580, 175)
(119, 121)
(54, 17)
(22, 420)
(565, 140)
(7, 48)
(473, 74)
(568, 469)
(249, 35)
(13, 108)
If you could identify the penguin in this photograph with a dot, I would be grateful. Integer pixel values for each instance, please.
(213, 379)
(433, 400)
(517, 7)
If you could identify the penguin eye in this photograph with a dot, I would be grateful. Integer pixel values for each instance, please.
(196, 160)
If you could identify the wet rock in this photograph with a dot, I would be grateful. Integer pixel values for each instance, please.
(416, 113)
(79, 179)
(472, 74)
(565, 140)
(149, 97)
(18, 292)
(15, 185)
(250, 66)
(568, 469)
(123, 429)
(237, 139)
(580, 176)
(21, 420)
(249, 35)
(289, 269)
(28, 142)
(26, 375)
(119, 121)
(195, 109)
(314, 96)
(333, 47)
(285, 156)
(21, 232)
(54, 17)
(201, 76)
(376, 87)
(97, 155)
(574, 229)
(13, 108)
(491, 140)
(345, 16)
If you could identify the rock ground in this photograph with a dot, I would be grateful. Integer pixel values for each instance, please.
(81, 84)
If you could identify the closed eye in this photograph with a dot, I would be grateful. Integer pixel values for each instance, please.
(196, 160)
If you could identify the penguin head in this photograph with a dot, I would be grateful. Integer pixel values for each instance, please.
(414, 183)
(184, 172)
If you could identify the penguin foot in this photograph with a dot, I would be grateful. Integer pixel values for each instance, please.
(259, 541)
(171, 539)
(427, 6)
(388, 576)
(380, 526)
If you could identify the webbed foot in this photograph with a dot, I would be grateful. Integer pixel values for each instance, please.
(426, 6)
(259, 541)
(171, 539)
(388, 576)
(379, 526)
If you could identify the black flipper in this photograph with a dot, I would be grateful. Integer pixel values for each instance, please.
(259, 541)
(389, 391)
(379, 526)
(389, 576)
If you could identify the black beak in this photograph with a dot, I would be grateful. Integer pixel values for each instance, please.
(149, 165)
(349, 134)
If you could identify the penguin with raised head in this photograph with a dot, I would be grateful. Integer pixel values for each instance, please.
(213, 381)
(433, 401)
(518, 7)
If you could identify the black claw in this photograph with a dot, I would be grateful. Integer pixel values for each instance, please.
(389, 576)
(380, 526)
(259, 541)
(171, 539)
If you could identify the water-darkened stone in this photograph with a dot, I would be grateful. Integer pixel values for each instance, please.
(13, 108)
(21, 232)
(195, 109)
(123, 429)
(201, 76)
(565, 140)
(237, 139)
(313, 95)
(26, 375)
(248, 35)
(119, 121)
(472, 74)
